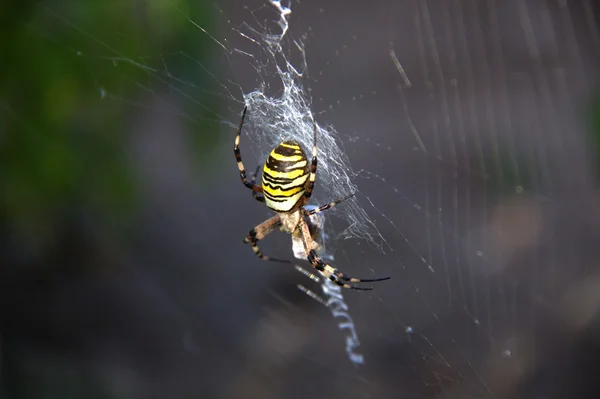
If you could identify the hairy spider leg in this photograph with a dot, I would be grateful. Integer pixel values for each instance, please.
(238, 158)
(327, 206)
(313, 165)
(258, 233)
(333, 274)
(255, 194)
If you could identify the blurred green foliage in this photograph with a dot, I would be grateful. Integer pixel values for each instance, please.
(62, 143)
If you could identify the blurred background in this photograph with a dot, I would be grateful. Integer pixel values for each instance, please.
(474, 129)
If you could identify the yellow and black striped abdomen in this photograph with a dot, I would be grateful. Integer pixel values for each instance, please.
(284, 176)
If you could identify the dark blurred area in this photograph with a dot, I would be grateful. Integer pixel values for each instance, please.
(122, 272)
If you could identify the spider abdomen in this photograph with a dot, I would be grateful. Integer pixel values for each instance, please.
(284, 177)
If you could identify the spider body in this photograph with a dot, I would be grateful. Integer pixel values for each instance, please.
(287, 184)
(285, 176)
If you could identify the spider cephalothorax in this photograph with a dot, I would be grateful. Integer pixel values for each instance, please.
(287, 183)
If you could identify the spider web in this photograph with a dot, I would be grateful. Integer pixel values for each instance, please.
(460, 127)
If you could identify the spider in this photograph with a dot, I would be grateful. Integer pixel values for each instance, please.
(287, 184)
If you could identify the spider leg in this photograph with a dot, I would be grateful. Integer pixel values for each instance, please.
(313, 166)
(254, 193)
(333, 274)
(328, 206)
(258, 233)
(238, 157)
